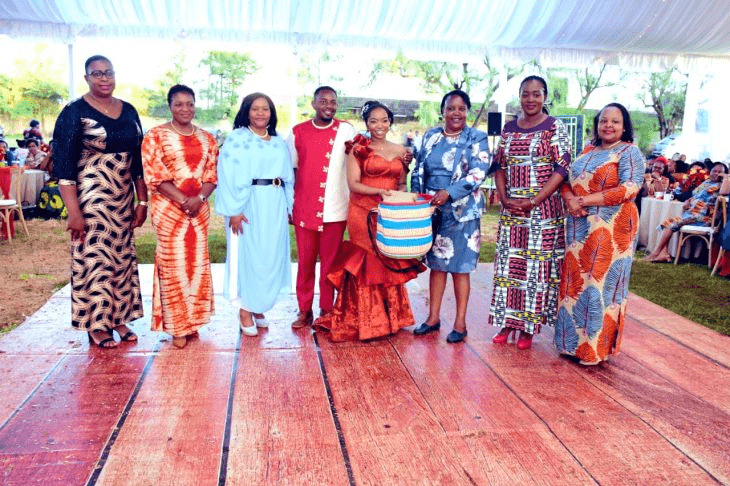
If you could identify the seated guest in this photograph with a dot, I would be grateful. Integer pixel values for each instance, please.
(6, 155)
(696, 175)
(658, 179)
(697, 211)
(35, 157)
(677, 169)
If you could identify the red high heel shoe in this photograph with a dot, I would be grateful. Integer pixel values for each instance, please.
(525, 341)
(503, 335)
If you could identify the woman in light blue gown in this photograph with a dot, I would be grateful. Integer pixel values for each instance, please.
(255, 194)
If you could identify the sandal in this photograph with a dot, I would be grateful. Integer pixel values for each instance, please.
(128, 336)
(103, 343)
(179, 341)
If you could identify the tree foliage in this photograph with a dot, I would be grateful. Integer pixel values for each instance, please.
(435, 76)
(480, 81)
(33, 92)
(589, 80)
(491, 84)
(227, 70)
(157, 97)
(666, 94)
(313, 70)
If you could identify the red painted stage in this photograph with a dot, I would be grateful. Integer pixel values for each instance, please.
(290, 407)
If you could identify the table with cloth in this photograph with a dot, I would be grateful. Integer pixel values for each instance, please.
(30, 188)
(653, 212)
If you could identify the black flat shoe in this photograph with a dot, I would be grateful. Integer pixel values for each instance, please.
(455, 336)
(425, 329)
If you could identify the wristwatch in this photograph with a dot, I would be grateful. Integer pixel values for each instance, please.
(202, 198)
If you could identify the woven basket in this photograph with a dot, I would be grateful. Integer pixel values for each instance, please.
(404, 229)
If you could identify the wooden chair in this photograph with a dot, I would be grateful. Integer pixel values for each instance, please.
(706, 233)
(10, 206)
(722, 250)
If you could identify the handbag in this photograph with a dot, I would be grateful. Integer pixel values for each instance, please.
(404, 229)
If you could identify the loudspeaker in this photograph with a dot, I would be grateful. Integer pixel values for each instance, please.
(494, 124)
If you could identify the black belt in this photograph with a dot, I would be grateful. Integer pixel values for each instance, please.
(267, 182)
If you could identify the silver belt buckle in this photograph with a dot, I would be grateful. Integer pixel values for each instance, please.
(277, 182)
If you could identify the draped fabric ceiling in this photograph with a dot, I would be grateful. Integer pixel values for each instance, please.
(638, 34)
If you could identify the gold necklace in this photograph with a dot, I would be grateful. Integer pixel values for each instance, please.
(100, 104)
(172, 124)
(265, 136)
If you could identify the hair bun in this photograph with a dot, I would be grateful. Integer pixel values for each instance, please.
(366, 107)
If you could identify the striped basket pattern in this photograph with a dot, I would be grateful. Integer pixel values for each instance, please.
(404, 229)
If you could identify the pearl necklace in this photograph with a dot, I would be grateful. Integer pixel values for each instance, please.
(266, 136)
(172, 125)
(455, 134)
(101, 105)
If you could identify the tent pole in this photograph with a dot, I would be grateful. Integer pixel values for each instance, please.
(293, 85)
(71, 90)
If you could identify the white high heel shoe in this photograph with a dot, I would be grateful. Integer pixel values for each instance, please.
(260, 321)
(248, 330)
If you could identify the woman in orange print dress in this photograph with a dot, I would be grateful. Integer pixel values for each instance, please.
(600, 236)
(179, 162)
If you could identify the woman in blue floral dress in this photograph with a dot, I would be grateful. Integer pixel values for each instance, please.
(451, 165)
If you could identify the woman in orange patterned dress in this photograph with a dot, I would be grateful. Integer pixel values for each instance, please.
(372, 300)
(601, 234)
(180, 162)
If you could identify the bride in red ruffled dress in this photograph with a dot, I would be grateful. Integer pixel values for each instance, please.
(372, 300)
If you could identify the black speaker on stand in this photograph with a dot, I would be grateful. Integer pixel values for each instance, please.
(494, 129)
(494, 124)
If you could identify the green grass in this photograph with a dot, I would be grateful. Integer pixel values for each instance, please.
(146, 245)
(686, 289)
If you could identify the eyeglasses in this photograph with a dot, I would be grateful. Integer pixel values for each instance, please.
(108, 74)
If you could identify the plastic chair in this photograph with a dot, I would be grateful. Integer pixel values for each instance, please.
(706, 233)
(10, 206)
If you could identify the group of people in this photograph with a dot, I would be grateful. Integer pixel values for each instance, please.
(325, 179)
(33, 153)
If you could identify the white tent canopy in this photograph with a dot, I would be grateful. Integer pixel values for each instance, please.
(636, 35)
(641, 34)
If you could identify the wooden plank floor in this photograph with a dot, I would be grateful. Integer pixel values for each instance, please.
(290, 407)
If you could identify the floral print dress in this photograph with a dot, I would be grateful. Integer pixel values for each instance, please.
(699, 212)
(459, 166)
